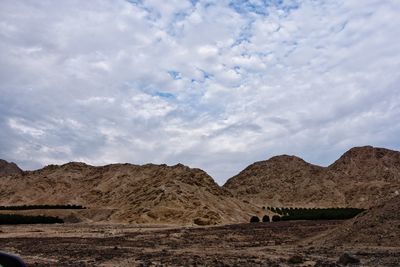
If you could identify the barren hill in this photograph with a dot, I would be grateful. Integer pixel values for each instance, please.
(362, 177)
(366, 176)
(8, 168)
(283, 180)
(128, 193)
(379, 226)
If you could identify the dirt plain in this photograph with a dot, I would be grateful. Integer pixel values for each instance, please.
(256, 244)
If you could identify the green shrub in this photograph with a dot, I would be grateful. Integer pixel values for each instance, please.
(35, 207)
(254, 219)
(276, 218)
(265, 218)
(23, 219)
(279, 211)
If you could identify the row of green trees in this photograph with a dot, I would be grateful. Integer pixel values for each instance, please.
(23, 219)
(36, 207)
(288, 214)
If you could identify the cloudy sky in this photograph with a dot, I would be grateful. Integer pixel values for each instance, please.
(211, 84)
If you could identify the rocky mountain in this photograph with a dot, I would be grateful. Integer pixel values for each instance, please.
(9, 168)
(367, 176)
(127, 193)
(363, 177)
(283, 181)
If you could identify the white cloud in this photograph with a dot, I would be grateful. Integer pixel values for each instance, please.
(20, 127)
(215, 85)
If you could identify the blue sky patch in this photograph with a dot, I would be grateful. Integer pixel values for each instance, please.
(176, 75)
(165, 95)
(261, 7)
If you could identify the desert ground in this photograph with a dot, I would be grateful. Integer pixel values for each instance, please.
(255, 244)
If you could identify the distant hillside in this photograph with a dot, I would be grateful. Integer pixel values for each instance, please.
(127, 193)
(362, 177)
(9, 168)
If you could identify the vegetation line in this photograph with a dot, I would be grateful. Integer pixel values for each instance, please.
(36, 207)
(292, 214)
(23, 219)
(288, 214)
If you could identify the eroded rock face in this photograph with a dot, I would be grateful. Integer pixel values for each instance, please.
(128, 193)
(363, 177)
(9, 168)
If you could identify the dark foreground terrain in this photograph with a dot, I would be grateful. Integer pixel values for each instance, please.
(258, 244)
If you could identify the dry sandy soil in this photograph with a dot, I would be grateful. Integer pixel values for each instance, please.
(259, 244)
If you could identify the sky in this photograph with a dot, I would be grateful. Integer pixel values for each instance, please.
(214, 85)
